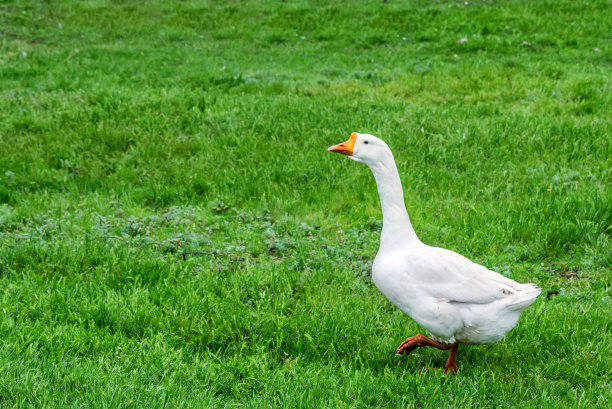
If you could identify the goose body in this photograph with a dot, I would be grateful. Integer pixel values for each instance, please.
(456, 300)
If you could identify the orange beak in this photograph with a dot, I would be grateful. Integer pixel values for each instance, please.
(345, 148)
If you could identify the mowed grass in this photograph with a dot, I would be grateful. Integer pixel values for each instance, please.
(173, 232)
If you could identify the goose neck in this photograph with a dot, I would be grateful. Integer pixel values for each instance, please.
(396, 222)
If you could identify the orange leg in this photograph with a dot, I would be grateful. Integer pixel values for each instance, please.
(451, 362)
(419, 340)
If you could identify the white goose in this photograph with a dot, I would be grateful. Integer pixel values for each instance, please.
(455, 299)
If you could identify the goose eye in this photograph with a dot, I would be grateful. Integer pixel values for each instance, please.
(366, 142)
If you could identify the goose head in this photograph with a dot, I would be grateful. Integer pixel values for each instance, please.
(363, 148)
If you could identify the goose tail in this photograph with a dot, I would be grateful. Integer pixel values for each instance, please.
(525, 296)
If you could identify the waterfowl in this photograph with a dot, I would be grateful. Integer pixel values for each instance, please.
(455, 299)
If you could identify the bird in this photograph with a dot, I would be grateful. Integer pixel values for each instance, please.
(455, 299)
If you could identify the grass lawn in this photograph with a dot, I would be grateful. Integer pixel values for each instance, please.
(174, 233)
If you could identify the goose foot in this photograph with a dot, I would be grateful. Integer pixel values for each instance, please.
(420, 340)
(451, 363)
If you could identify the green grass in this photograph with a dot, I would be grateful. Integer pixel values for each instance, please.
(173, 232)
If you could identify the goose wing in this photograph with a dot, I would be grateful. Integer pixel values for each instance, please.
(449, 276)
